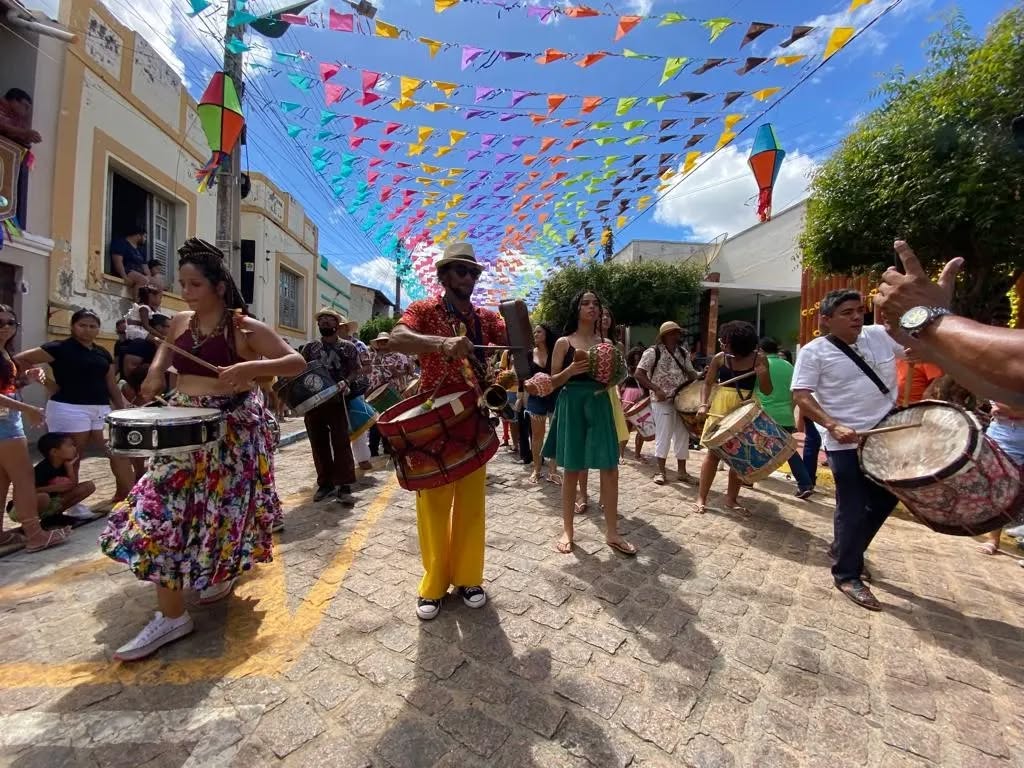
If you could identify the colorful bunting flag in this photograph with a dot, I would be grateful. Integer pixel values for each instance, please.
(797, 33)
(765, 93)
(625, 104)
(673, 66)
(340, 22)
(625, 25)
(469, 55)
(717, 26)
(432, 45)
(551, 55)
(333, 93)
(754, 31)
(591, 58)
(383, 29)
(555, 101)
(327, 71)
(840, 36)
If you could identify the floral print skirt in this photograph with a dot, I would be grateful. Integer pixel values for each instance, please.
(197, 520)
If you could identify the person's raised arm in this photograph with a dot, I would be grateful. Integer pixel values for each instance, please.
(273, 357)
(405, 339)
(560, 375)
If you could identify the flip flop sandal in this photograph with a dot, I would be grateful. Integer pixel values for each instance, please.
(660, 480)
(988, 548)
(565, 548)
(54, 538)
(581, 507)
(623, 547)
(700, 509)
(738, 508)
(555, 479)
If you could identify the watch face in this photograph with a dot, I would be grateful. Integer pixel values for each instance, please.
(915, 317)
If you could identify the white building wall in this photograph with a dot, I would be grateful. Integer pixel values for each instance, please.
(765, 255)
(362, 304)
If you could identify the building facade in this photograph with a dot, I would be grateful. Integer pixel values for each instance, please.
(368, 303)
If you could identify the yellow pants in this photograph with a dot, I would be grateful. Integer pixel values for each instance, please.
(452, 536)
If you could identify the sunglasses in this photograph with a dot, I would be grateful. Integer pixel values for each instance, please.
(9, 323)
(462, 270)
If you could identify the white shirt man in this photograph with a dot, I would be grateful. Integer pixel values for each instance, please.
(830, 387)
(664, 369)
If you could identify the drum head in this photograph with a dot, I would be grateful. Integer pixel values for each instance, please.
(375, 392)
(438, 402)
(944, 438)
(689, 397)
(169, 414)
(731, 420)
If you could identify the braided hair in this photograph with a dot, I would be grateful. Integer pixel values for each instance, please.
(209, 259)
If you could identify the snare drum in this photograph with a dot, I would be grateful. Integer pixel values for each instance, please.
(360, 417)
(687, 401)
(947, 472)
(439, 444)
(171, 431)
(641, 418)
(751, 443)
(313, 387)
(412, 388)
(383, 397)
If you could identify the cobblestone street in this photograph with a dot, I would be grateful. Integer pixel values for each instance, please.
(722, 644)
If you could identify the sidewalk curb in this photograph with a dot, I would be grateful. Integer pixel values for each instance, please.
(290, 438)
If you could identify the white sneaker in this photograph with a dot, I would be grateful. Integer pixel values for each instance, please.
(427, 609)
(216, 592)
(158, 633)
(80, 512)
(473, 597)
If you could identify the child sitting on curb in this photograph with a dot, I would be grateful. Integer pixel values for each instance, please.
(59, 494)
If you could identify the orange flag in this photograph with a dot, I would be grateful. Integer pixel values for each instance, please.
(591, 58)
(626, 23)
(570, 123)
(528, 159)
(550, 55)
(575, 143)
(590, 103)
(582, 12)
(538, 119)
(546, 144)
(555, 101)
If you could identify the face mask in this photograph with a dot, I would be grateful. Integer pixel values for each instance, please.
(327, 330)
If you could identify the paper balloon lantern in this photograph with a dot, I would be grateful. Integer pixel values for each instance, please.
(765, 161)
(221, 117)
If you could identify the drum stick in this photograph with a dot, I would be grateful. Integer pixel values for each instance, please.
(190, 356)
(491, 348)
(734, 379)
(883, 430)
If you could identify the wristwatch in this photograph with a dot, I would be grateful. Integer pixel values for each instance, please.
(916, 319)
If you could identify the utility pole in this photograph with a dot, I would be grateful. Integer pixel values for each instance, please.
(398, 296)
(229, 178)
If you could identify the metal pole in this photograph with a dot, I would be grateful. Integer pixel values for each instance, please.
(758, 326)
(229, 197)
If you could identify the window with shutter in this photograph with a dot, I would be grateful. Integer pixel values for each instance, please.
(162, 238)
(289, 291)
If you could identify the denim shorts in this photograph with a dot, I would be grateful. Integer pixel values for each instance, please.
(1008, 435)
(540, 406)
(10, 425)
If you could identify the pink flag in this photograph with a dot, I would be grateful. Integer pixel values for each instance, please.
(368, 98)
(294, 18)
(359, 122)
(341, 22)
(370, 80)
(327, 71)
(333, 93)
(355, 141)
(384, 145)
(374, 162)
(391, 128)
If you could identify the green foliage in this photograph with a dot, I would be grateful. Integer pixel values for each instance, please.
(644, 293)
(375, 326)
(935, 165)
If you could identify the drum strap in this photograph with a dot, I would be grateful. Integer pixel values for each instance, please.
(859, 361)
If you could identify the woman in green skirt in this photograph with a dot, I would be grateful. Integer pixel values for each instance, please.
(582, 434)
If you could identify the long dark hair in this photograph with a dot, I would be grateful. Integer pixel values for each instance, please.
(573, 323)
(550, 337)
(209, 259)
(8, 370)
(740, 336)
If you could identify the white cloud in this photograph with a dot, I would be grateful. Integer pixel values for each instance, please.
(872, 41)
(721, 196)
(639, 7)
(377, 273)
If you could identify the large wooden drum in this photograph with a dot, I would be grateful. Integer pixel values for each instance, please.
(947, 472)
(751, 443)
(687, 401)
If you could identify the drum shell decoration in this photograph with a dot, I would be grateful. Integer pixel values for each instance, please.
(751, 443)
(313, 387)
(440, 445)
(688, 400)
(980, 491)
(361, 417)
(539, 384)
(153, 431)
(607, 366)
(640, 416)
(383, 397)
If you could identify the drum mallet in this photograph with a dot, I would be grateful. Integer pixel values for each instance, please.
(189, 356)
(734, 379)
(883, 430)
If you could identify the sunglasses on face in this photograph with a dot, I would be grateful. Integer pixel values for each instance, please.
(462, 270)
(9, 323)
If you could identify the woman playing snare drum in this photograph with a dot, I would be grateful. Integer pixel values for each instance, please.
(739, 355)
(197, 521)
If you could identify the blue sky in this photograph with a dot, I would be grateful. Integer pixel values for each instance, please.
(717, 198)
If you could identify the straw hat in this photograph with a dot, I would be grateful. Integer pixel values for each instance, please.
(668, 327)
(458, 253)
(342, 320)
(382, 336)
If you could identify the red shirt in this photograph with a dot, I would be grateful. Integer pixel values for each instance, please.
(430, 317)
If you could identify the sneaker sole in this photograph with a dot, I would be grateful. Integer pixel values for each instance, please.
(431, 617)
(148, 650)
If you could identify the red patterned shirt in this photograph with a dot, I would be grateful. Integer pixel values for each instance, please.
(432, 318)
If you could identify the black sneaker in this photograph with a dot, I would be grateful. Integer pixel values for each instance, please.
(804, 493)
(343, 495)
(473, 597)
(322, 493)
(427, 609)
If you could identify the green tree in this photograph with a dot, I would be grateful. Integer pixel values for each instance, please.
(375, 326)
(643, 293)
(935, 165)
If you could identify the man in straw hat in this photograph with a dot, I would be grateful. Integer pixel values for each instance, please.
(327, 424)
(443, 332)
(664, 369)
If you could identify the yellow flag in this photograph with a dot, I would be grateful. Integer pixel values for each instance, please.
(457, 198)
(766, 93)
(731, 120)
(383, 29)
(423, 133)
(408, 86)
(436, 106)
(446, 88)
(432, 45)
(429, 168)
(856, 4)
(446, 182)
(440, 216)
(788, 61)
(840, 36)
(440, 6)
(452, 172)
(455, 136)
(415, 149)
(725, 138)
(620, 222)
(401, 104)
(643, 202)
(442, 151)
(424, 180)
(691, 161)
(667, 175)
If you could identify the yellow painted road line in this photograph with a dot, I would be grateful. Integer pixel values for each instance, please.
(261, 636)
